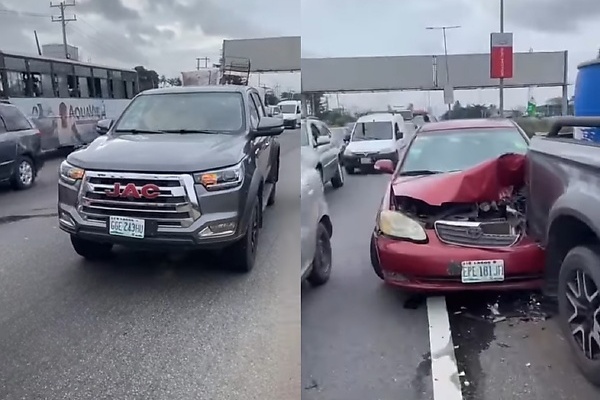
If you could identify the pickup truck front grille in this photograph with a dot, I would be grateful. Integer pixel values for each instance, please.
(476, 234)
(175, 207)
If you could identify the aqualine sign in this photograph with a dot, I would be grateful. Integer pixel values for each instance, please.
(501, 55)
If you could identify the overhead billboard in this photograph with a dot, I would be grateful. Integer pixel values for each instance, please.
(467, 71)
(366, 74)
(277, 54)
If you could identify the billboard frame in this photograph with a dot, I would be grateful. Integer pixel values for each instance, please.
(270, 54)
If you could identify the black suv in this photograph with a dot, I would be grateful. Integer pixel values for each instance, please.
(20, 148)
(187, 167)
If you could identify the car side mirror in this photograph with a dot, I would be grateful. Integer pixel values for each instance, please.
(269, 126)
(347, 138)
(103, 126)
(323, 140)
(385, 166)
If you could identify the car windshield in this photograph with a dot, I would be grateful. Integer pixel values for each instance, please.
(288, 108)
(458, 150)
(374, 130)
(185, 113)
(304, 135)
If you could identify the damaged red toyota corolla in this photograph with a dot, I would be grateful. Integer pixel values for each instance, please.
(453, 216)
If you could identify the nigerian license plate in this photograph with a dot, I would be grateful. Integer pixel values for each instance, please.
(127, 227)
(482, 271)
(366, 160)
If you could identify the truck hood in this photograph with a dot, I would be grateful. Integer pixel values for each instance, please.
(370, 146)
(489, 181)
(162, 153)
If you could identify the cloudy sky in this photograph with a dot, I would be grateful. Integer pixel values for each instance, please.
(338, 28)
(165, 35)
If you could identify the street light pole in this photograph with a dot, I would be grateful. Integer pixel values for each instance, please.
(444, 29)
(501, 97)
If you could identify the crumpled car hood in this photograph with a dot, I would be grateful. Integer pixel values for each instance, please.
(489, 181)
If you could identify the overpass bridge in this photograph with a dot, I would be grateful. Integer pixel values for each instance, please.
(397, 73)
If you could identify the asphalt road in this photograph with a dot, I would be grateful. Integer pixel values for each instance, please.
(362, 340)
(147, 326)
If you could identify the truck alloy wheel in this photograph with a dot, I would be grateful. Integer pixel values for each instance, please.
(579, 304)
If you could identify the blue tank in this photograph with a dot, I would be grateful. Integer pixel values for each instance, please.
(587, 97)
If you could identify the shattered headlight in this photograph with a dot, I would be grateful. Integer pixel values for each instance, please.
(398, 225)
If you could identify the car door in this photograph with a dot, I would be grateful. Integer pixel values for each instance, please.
(261, 145)
(329, 152)
(298, 113)
(8, 143)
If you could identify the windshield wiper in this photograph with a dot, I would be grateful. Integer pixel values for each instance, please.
(418, 172)
(182, 131)
(136, 131)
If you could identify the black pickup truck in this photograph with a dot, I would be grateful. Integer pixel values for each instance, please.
(563, 212)
(181, 168)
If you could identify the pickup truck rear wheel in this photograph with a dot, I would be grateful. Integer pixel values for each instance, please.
(243, 252)
(579, 306)
(321, 268)
(91, 250)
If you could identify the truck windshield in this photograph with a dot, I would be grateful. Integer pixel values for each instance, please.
(460, 149)
(288, 108)
(185, 112)
(375, 130)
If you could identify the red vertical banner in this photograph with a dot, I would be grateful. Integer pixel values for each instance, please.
(501, 55)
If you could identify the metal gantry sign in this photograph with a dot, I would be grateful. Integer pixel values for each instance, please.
(276, 54)
(467, 71)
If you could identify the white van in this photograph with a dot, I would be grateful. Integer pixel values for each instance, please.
(375, 137)
(292, 113)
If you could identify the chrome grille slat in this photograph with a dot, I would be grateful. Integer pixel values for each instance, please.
(176, 206)
(458, 233)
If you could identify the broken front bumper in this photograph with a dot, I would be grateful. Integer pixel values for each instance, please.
(436, 267)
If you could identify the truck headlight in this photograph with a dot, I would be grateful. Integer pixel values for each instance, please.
(220, 179)
(70, 173)
(398, 225)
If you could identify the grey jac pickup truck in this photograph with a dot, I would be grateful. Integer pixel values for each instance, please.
(563, 213)
(181, 168)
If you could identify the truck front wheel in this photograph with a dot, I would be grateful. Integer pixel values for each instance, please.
(91, 250)
(242, 254)
(579, 307)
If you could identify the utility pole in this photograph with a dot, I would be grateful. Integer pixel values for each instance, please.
(501, 79)
(63, 21)
(205, 59)
(444, 29)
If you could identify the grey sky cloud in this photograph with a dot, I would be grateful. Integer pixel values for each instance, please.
(113, 10)
(166, 35)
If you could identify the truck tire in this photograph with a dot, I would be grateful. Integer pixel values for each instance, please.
(89, 250)
(321, 268)
(578, 280)
(24, 174)
(242, 254)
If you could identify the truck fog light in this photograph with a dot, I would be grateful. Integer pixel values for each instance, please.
(218, 229)
(66, 219)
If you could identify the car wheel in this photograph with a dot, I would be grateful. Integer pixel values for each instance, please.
(272, 195)
(24, 174)
(349, 170)
(579, 306)
(321, 268)
(338, 180)
(375, 258)
(89, 250)
(242, 253)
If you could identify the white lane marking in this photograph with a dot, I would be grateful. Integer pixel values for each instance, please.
(444, 369)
